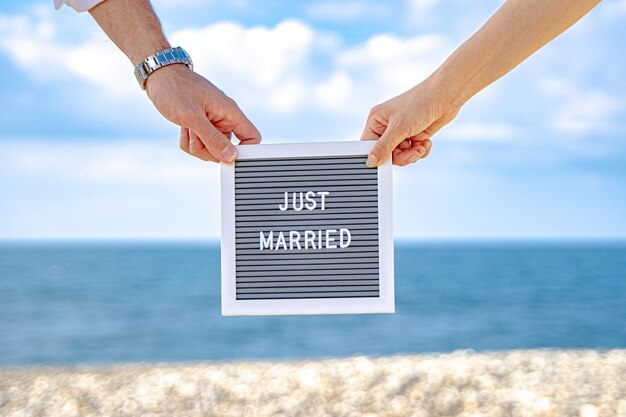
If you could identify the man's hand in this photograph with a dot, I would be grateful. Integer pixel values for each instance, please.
(405, 124)
(206, 115)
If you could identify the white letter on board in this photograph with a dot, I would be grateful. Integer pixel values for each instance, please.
(309, 236)
(294, 236)
(323, 194)
(266, 243)
(296, 208)
(330, 239)
(311, 203)
(341, 242)
(284, 208)
(281, 241)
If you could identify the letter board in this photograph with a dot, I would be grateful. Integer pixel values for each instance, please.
(306, 229)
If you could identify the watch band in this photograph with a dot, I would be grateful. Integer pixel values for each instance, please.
(161, 59)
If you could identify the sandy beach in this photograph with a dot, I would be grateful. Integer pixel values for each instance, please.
(583, 383)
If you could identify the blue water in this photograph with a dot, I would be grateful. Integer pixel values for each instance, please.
(101, 302)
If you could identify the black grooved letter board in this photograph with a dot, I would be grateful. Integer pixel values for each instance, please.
(283, 272)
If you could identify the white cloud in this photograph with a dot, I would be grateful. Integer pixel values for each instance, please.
(259, 54)
(614, 9)
(26, 40)
(115, 189)
(581, 110)
(181, 4)
(555, 86)
(99, 62)
(346, 10)
(389, 64)
(119, 163)
(478, 132)
(260, 65)
(420, 10)
(287, 96)
(334, 93)
(587, 112)
(32, 41)
(271, 68)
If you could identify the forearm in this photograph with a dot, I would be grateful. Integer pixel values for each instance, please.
(132, 25)
(517, 30)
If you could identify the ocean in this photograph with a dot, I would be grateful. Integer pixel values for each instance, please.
(72, 302)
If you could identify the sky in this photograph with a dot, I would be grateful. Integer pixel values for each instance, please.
(83, 154)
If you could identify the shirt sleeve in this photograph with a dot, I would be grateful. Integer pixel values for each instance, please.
(78, 5)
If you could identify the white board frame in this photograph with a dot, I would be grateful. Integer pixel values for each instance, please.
(384, 303)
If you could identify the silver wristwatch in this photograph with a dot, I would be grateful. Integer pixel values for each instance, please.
(161, 59)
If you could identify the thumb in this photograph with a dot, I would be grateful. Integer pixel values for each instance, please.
(215, 141)
(384, 146)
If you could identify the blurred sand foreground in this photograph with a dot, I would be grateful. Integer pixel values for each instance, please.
(516, 383)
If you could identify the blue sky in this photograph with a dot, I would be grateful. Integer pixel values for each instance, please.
(541, 153)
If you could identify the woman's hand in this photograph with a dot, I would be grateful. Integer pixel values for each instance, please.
(405, 124)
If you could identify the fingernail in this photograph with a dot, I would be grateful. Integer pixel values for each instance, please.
(414, 158)
(229, 153)
(372, 160)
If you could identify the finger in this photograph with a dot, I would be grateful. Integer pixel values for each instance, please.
(183, 141)
(419, 142)
(375, 125)
(419, 149)
(369, 133)
(394, 155)
(404, 145)
(197, 149)
(250, 141)
(434, 128)
(215, 141)
(410, 156)
(384, 146)
(420, 137)
(190, 143)
(373, 128)
(428, 145)
(245, 131)
(398, 154)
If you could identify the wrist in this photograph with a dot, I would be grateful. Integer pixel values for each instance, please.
(165, 77)
(141, 52)
(452, 89)
(159, 60)
(443, 93)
